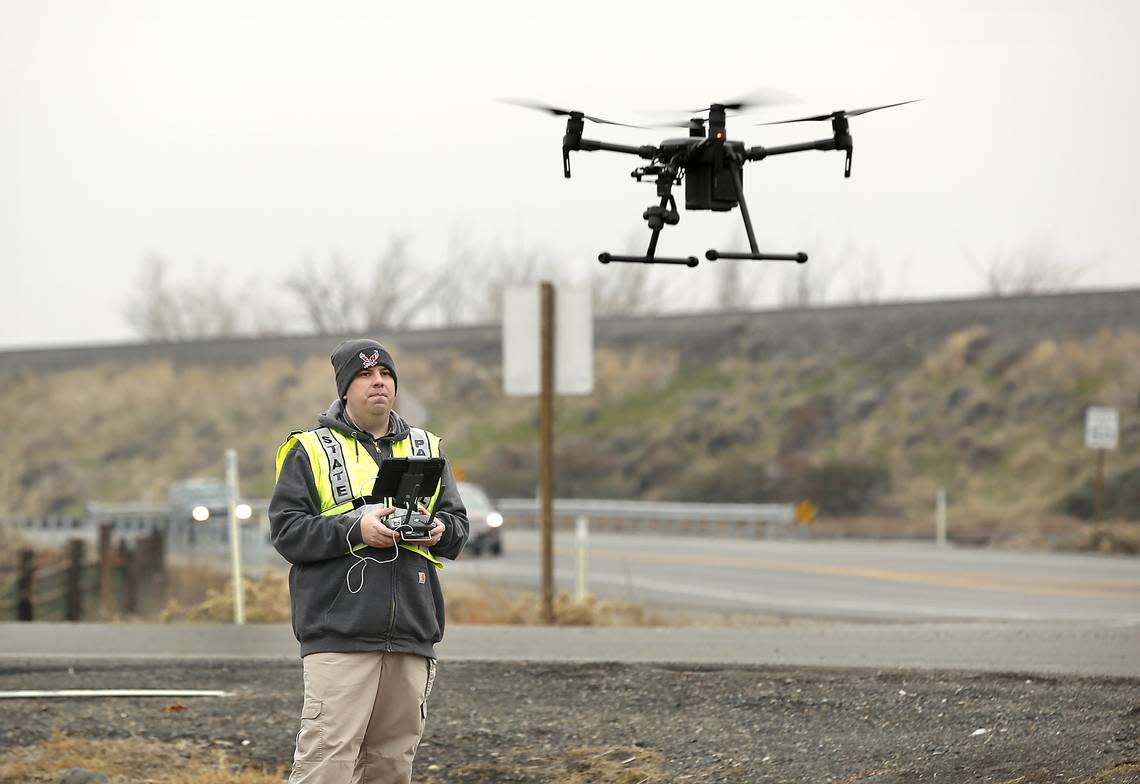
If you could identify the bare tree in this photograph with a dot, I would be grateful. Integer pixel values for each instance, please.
(152, 309)
(803, 286)
(621, 289)
(460, 282)
(159, 310)
(400, 290)
(210, 308)
(328, 295)
(1034, 268)
(339, 297)
(732, 289)
(864, 275)
(471, 285)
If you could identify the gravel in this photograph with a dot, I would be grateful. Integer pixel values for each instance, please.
(533, 722)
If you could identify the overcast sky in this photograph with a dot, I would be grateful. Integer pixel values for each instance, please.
(238, 139)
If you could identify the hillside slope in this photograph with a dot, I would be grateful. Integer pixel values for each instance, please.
(864, 410)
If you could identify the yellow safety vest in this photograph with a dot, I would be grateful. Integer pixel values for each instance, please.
(343, 471)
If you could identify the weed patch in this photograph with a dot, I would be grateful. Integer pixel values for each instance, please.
(130, 760)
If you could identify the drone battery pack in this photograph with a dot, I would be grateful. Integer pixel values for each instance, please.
(709, 188)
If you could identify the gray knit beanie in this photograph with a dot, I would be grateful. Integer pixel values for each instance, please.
(352, 356)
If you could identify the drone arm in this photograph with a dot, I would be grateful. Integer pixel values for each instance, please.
(840, 141)
(573, 142)
(759, 153)
(647, 151)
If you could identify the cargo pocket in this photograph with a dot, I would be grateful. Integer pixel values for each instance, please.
(311, 736)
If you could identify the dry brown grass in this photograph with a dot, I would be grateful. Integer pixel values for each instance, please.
(181, 762)
(129, 760)
(590, 765)
(477, 603)
(266, 598)
(200, 594)
(1124, 773)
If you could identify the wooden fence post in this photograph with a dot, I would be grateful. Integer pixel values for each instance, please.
(76, 549)
(158, 566)
(26, 586)
(129, 557)
(106, 557)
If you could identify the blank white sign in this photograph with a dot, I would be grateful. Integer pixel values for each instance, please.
(1102, 427)
(573, 340)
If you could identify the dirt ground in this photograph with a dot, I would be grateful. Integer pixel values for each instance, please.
(526, 723)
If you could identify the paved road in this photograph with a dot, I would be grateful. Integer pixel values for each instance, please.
(856, 605)
(993, 647)
(833, 579)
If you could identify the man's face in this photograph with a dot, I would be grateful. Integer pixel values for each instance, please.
(371, 394)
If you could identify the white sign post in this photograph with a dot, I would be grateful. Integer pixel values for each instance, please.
(1102, 432)
(582, 543)
(1102, 427)
(573, 341)
(548, 347)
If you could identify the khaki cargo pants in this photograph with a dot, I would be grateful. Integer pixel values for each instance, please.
(363, 717)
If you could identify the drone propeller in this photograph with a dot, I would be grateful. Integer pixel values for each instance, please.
(542, 107)
(839, 114)
(696, 122)
(752, 100)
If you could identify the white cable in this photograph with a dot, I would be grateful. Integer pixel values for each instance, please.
(362, 560)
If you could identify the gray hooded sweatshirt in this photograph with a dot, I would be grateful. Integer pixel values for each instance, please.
(399, 607)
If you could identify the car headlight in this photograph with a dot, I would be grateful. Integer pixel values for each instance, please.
(200, 513)
(243, 511)
(494, 519)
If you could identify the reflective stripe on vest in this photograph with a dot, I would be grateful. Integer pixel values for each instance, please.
(339, 480)
(338, 462)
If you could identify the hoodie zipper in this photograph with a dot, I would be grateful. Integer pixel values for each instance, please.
(395, 565)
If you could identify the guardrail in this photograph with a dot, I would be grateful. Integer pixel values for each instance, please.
(136, 520)
(752, 521)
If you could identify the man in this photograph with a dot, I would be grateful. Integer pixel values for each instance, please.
(367, 607)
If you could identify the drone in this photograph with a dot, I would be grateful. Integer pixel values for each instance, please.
(710, 165)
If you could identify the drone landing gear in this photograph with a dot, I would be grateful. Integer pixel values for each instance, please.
(688, 261)
(658, 216)
(798, 258)
(733, 166)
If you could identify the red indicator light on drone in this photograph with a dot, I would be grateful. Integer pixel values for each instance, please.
(720, 136)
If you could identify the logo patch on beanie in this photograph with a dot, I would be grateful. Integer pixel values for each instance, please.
(371, 361)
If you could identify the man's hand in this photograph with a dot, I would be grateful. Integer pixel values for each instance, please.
(373, 530)
(437, 530)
